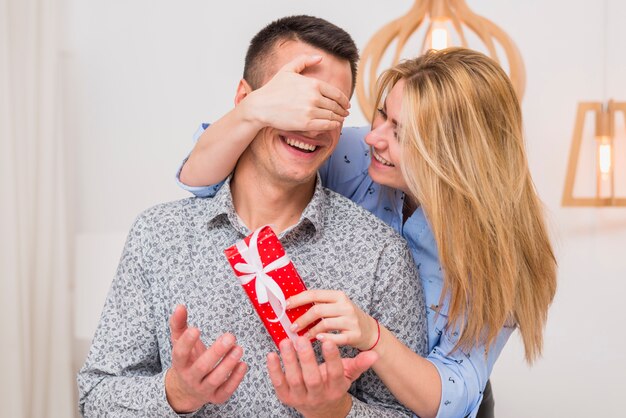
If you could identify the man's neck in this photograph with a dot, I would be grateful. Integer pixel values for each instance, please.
(260, 200)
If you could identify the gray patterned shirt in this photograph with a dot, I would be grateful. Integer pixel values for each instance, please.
(173, 255)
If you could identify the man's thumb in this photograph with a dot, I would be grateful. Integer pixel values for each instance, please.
(359, 364)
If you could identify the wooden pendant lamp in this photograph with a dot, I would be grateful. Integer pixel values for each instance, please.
(605, 115)
(443, 18)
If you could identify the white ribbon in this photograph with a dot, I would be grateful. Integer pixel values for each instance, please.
(264, 286)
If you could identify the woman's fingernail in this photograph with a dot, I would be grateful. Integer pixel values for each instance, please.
(294, 326)
(319, 337)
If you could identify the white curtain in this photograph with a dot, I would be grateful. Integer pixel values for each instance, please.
(35, 323)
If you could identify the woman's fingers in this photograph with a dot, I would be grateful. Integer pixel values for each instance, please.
(333, 93)
(321, 311)
(322, 125)
(314, 296)
(344, 325)
(325, 103)
(301, 62)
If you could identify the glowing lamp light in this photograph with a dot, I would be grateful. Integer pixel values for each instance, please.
(605, 114)
(446, 23)
(439, 37)
(604, 157)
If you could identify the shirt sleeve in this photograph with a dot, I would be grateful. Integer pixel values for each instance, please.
(464, 374)
(198, 191)
(397, 285)
(123, 376)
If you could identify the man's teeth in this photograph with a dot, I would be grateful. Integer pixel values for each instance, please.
(381, 159)
(300, 145)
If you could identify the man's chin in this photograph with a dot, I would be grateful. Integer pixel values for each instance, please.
(295, 178)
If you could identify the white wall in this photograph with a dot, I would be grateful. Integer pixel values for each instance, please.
(140, 75)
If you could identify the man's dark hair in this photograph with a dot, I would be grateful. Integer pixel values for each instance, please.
(314, 31)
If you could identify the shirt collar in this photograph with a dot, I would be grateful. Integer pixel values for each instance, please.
(222, 206)
(314, 212)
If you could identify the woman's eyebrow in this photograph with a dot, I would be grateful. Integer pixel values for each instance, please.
(395, 122)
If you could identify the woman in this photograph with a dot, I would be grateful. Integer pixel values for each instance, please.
(447, 150)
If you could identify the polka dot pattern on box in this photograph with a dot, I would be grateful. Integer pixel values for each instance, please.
(290, 282)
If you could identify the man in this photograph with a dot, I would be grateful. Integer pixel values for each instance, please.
(139, 367)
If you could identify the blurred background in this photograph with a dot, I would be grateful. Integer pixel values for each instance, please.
(98, 104)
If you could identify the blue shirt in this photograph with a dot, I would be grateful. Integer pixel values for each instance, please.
(463, 374)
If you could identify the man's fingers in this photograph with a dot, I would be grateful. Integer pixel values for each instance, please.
(353, 368)
(334, 365)
(225, 391)
(301, 62)
(178, 322)
(211, 357)
(198, 349)
(219, 373)
(279, 381)
(293, 372)
(182, 349)
(310, 369)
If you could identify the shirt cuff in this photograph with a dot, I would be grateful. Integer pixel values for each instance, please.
(198, 191)
(454, 402)
(167, 408)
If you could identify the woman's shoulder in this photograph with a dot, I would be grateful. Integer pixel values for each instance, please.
(349, 159)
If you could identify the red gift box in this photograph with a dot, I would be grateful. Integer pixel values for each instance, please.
(269, 278)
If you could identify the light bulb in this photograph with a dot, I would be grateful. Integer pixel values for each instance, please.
(439, 35)
(604, 157)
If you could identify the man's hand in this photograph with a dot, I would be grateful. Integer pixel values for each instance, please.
(315, 390)
(291, 101)
(201, 375)
(178, 326)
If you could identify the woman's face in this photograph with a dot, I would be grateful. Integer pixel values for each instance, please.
(383, 141)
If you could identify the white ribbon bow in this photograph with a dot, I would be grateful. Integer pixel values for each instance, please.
(253, 269)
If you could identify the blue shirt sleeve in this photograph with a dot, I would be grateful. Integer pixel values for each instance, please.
(198, 191)
(464, 374)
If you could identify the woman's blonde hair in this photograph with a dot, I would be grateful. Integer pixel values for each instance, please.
(463, 159)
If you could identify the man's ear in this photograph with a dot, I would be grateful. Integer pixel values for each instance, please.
(243, 89)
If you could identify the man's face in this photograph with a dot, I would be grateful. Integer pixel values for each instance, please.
(295, 156)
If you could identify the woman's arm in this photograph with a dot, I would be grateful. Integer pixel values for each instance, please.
(444, 384)
(413, 380)
(289, 101)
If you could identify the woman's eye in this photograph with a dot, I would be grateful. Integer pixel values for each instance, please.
(381, 112)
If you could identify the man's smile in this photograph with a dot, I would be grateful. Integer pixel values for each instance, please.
(299, 144)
